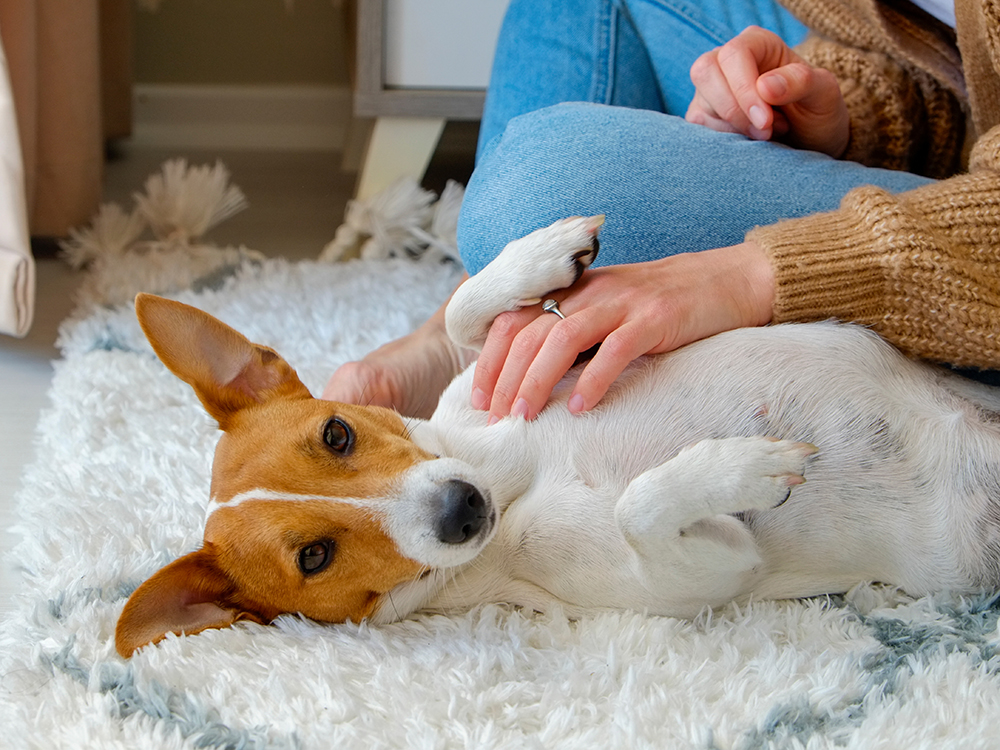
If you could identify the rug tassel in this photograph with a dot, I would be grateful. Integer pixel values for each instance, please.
(403, 221)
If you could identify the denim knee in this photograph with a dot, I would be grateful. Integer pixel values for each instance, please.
(555, 162)
(665, 186)
(581, 159)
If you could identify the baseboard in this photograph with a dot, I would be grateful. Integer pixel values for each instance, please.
(300, 118)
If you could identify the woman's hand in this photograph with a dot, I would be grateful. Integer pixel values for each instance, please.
(756, 85)
(631, 310)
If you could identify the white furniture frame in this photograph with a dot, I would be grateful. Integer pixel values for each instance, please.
(419, 64)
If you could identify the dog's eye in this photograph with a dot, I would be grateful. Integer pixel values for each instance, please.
(315, 557)
(338, 436)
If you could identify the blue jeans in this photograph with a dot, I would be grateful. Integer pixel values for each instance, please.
(584, 116)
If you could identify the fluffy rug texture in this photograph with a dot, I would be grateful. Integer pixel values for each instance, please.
(121, 486)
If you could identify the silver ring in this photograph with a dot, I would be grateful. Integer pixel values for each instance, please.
(550, 305)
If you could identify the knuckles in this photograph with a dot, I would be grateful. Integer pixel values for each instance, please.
(507, 325)
(702, 68)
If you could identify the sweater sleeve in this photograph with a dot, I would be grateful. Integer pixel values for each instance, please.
(900, 117)
(921, 268)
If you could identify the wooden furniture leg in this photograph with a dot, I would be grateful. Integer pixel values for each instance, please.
(398, 147)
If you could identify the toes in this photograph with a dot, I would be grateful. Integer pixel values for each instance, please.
(583, 258)
(804, 449)
(789, 473)
(783, 500)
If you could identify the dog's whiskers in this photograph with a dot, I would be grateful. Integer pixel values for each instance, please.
(407, 425)
(393, 605)
(424, 570)
(450, 598)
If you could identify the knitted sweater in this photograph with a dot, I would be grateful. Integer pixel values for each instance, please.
(922, 268)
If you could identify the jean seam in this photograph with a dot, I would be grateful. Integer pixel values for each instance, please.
(684, 11)
(604, 53)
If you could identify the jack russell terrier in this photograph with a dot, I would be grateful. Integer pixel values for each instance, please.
(683, 489)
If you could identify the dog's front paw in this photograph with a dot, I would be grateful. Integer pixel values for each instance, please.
(586, 253)
(525, 271)
(553, 257)
(713, 477)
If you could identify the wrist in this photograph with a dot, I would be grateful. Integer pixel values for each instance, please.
(748, 279)
(760, 281)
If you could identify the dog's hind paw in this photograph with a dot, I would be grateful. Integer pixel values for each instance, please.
(769, 470)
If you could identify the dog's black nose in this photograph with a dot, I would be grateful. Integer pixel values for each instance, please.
(463, 512)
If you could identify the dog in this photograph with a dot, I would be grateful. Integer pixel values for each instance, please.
(683, 489)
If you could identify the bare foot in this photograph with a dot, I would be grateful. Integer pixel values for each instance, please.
(408, 374)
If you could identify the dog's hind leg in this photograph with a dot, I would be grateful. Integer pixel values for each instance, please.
(525, 271)
(678, 515)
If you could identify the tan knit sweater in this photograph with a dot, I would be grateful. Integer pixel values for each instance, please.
(921, 268)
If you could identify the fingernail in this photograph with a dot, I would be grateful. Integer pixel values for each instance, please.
(492, 420)
(479, 399)
(576, 404)
(520, 409)
(758, 117)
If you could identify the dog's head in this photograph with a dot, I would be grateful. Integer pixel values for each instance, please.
(317, 507)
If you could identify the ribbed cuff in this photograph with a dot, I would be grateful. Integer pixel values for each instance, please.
(917, 268)
(826, 266)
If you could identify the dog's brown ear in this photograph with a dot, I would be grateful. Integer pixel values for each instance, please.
(183, 597)
(226, 370)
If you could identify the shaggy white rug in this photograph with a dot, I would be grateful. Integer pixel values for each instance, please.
(121, 490)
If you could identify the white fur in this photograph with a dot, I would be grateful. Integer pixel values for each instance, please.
(520, 276)
(669, 495)
(117, 490)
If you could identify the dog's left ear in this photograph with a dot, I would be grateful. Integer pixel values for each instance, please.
(226, 370)
(185, 597)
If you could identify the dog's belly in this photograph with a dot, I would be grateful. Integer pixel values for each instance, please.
(896, 493)
(566, 542)
(570, 548)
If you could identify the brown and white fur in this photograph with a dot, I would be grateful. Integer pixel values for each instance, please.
(682, 489)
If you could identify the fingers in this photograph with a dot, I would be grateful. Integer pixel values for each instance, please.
(716, 103)
(757, 86)
(812, 104)
(513, 377)
(539, 358)
(527, 353)
(726, 89)
(541, 353)
(523, 360)
(495, 353)
(796, 82)
(739, 66)
(619, 349)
